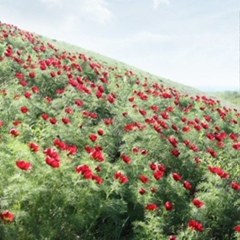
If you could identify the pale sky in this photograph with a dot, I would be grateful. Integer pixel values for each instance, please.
(194, 42)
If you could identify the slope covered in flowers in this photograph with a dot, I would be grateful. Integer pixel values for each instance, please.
(90, 151)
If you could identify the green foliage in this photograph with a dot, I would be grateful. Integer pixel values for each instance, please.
(232, 97)
(97, 151)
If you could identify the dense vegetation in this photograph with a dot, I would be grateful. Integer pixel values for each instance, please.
(92, 151)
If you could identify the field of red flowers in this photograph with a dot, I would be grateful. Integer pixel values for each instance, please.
(90, 151)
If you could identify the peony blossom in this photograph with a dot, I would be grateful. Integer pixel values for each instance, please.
(7, 216)
(24, 165)
(152, 207)
(169, 206)
(198, 203)
(195, 225)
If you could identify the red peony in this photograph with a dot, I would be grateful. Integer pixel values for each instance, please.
(195, 225)
(7, 216)
(152, 207)
(198, 203)
(24, 165)
(169, 206)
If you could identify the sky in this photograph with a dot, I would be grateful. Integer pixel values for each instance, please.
(193, 42)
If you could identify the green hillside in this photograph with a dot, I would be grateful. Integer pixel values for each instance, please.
(123, 66)
(93, 149)
(229, 96)
(226, 98)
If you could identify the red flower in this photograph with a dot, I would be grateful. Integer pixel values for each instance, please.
(152, 207)
(66, 120)
(158, 175)
(98, 168)
(72, 149)
(153, 166)
(17, 123)
(79, 103)
(123, 179)
(53, 121)
(97, 154)
(60, 91)
(235, 186)
(177, 177)
(99, 94)
(45, 116)
(169, 206)
(59, 144)
(198, 203)
(174, 127)
(7, 216)
(212, 152)
(53, 74)
(208, 118)
(165, 115)
(176, 152)
(172, 237)
(32, 74)
(155, 108)
(131, 126)
(184, 119)
(43, 66)
(162, 168)
(98, 179)
(34, 147)
(89, 149)
(144, 179)
(53, 162)
(131, 99)
(69, 110)
(93, 137)
(14, 132)
(187, 185)
(233, 137)
(205, 125)
(237, 228)
(186, 129)
(153, 189)
(53, 158)
(27, 94)
(220, 172)
(173, 141)
(108, 121)
(48, 99)
(143, 112)
(195, 225)
(126, 159)
(142, 191)
(198, 160)
(100, 132)
(1, 123)
(19, 76)
(85, 171)
(24, 109)
(210, 136)
(24, 165)
(111, 99)
(236, 146)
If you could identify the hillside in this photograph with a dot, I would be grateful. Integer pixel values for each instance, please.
(93, 149)
(229, 96)
(226, 99)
